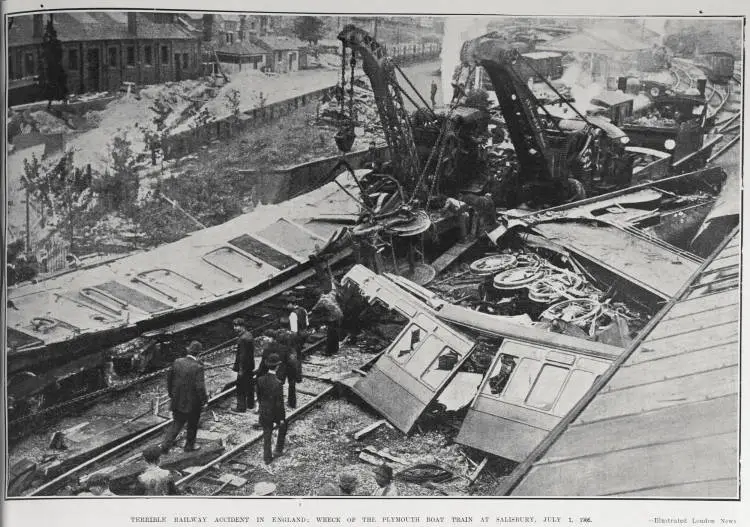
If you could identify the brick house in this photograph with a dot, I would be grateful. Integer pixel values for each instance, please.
(285, 54)
(101, 50)
(243, 52)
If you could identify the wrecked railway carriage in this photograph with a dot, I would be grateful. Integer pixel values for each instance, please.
(521, 331)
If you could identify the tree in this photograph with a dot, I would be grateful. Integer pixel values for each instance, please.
(309, 28)
(53, 79)
(119, 186)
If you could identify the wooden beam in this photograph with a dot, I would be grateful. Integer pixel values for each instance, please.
(369, 428)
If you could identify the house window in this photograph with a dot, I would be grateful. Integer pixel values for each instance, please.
(112, 57)
(226, 36)
(147, 55)
(185, 61)
(28, 64)
(164, 55)
(73, 59)
(10, 66)
(131, 55)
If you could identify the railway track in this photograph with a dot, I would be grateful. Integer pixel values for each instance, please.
(217, 420)
(727, 115)
(719, 98)
(40, 417)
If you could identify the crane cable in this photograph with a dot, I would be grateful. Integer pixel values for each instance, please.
(549, 84)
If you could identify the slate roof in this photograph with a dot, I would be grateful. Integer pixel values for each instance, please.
(77, 26)
(241, 48)
(666, 423)
(282, 43)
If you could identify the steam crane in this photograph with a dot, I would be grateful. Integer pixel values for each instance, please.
(559, 160)
(394, 116)
(396, 203)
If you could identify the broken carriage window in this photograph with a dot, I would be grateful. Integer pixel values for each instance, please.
(501, 375)
(408, 343)
(441, 367)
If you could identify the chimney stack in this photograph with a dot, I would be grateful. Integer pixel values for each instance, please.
(208, 27)
(133, 23)
(37, 26)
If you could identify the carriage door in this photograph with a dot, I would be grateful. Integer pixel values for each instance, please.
(525, 393)
(414, 369)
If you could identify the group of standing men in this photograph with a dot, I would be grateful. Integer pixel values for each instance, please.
(280, 363)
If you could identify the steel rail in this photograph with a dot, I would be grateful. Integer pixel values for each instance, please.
(54, 483)
(258, 436)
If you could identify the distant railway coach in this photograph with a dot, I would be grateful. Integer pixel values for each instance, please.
(539, 65)
(673, 123)
(718, 65)
(536, 65)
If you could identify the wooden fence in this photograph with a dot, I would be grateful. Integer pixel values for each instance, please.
(184, 143)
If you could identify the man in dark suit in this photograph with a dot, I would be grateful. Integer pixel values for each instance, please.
(283, 346)
(244, 365)
(186, 385)
(272, 411)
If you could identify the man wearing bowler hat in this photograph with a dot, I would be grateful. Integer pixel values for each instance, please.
(186, 384)
(272, 411)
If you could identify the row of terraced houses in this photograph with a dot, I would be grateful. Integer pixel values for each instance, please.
(103, 50)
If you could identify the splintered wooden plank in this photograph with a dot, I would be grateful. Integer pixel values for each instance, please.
(711, 457)
(692, 362)
(703, 304)
(177, 459)
(660, 426)
(451, 255)
(717, 488)
(369, 428)
(695, 322)
(671, 392)
(96, 437)
(647, 264)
